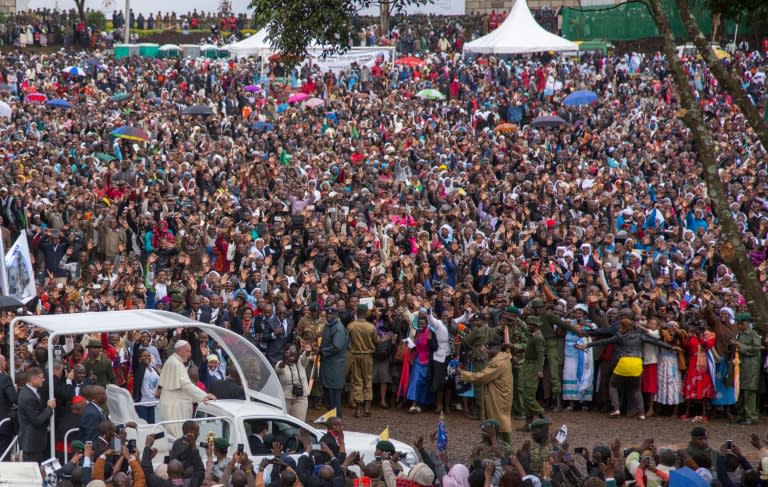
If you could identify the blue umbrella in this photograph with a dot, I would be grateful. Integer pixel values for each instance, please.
(581, 97)
(685, 477)
(59, 103)
(73, 71)
(282, 107)
(262, 126)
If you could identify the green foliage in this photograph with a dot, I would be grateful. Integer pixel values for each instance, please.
(293, 25)
(97, 19)
(732, 9)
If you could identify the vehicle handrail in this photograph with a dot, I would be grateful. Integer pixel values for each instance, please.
(194, 420)
(66, 450)
(13, 442)
(147, 403)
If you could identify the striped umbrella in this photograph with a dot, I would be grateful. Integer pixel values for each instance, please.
(73, 71)
(130, 133)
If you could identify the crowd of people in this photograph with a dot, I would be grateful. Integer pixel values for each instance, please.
(386, 250)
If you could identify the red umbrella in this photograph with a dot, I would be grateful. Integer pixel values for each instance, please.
(36, 98)
(410, 61)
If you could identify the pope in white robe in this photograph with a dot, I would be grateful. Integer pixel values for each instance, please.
(179, 393)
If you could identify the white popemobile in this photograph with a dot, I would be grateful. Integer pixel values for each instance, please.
(229, 419)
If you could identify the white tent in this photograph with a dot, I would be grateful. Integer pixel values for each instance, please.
(256, 45)
(520, 33)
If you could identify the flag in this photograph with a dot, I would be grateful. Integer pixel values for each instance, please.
(442, 435)
(326, 416)
(19, 271)
(384, 435)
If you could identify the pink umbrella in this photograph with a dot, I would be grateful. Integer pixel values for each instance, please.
(314, 102)
(36, 98)
(297, 97)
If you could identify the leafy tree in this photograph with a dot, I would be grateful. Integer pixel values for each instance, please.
(294, 25)
(731, 84)
(732, 9)
(96, 19)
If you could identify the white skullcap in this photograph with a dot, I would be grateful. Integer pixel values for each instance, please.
(180, 343)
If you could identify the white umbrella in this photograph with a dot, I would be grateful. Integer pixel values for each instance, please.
(5, 110)
(170, 47)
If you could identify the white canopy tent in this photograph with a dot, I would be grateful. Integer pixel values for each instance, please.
(256, 45)
(520, 33)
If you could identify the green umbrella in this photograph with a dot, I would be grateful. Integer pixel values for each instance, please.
(430, 94)
(103, 156)
(120, 96)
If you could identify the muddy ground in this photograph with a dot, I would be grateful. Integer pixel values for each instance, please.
(585, 429)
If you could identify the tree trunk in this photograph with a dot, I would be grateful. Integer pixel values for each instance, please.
(384, 19)
(728, 82)
(80, 9)
(734, 253)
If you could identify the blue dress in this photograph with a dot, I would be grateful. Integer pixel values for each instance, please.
(725, 395)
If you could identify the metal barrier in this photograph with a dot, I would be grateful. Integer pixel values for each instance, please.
(66, 450)
(14, 442)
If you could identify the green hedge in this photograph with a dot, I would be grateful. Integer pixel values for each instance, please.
(149, 32)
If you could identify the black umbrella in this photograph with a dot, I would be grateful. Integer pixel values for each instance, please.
(548, 121)
(10, 302)
(197, 110)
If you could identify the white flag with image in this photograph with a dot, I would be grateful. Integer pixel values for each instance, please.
(21, 275)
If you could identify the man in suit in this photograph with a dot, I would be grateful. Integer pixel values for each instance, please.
(93, 414)
(334, 438)
(34, 414)
(213, 314)
(256, 438)
(229, 387)
(185, 450)
(63, 392)
(7, 403)
(278, 331)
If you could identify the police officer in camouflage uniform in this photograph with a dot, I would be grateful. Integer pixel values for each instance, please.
(532, 371)
(515, 337)
(480, 334)
(553, 345)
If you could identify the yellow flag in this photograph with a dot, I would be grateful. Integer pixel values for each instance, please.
(326, 416)
(384, 435)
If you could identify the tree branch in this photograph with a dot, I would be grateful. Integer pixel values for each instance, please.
(731, 84)
(734, 253)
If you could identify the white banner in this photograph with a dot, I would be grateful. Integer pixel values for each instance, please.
(21, 275)
(360, 55)
(437, 7)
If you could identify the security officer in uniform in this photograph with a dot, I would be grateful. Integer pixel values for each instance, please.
(515, 339)
(362, 345)
(532, 371)
(480, 334)
(553, 345)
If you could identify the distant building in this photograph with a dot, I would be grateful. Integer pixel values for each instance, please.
(7, 6)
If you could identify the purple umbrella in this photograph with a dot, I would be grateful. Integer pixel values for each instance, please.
(253, 88)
